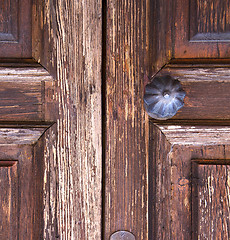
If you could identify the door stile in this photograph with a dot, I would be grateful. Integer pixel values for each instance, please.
(126, 133)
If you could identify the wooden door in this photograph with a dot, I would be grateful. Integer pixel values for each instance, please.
(167, 179)
(50, 119)
(100, 57)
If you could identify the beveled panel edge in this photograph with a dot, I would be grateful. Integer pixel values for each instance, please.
(198, 72)
(23, 72)
(210, 37)
(22, 135)
(195, 135)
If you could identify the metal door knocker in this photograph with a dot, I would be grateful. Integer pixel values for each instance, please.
(163, 97)
(122, 235)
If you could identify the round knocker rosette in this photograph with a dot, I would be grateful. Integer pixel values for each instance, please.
(163, 97)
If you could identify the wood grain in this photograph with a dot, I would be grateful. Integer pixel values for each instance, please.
(196, 135)
(9, 16)
(187, 29)
(161, 19)
(210, 198)
(209, 21)
(9, 202)
(213, 16)
(21, 135)
(186, 195)
(15, 29)
(126, 126)
(21, 185)
(67, 39)
(26, 93)
(187, 46)
(159, 186)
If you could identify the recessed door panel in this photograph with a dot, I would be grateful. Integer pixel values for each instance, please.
(9, 200)
(201, 29)
(191, 176)
(15, 29)
(210, 199)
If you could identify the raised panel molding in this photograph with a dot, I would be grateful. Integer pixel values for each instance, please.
(184, 160)
(21, 180)
(27, 110)
(26, 92)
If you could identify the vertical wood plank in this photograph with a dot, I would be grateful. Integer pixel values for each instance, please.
(26, 183)
(67, 39)
(126, 127)
(180, 199)
(161, 38)
(159, 185)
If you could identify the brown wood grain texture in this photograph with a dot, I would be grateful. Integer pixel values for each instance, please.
(26, 93)
(126, 127)
(159, 186)
(67, 38)
(196, 135)
(161, 38)
(213, 16)
(21, 187)
(15, 29)
(9, 202)
(205, 86)
(37, 190)
(17, 135)
(210, 197)
(184, 45)
(30, 191)
(9, 20)
(178, 213)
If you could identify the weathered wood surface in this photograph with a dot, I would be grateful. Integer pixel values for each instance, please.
(67, 39)
(21, 186)
(176, 210)
(159, 186)
(25, 92)
(210, 186)
(205, 86)
(208, 44)
(126, 125)
(23, 72)
(9, 202)
(212, 16)
(161, 22)
(9, 20)
(196, 135)
(188, 29)
(15, 29)
(17, 135)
